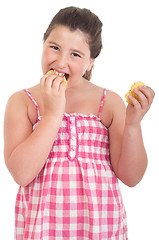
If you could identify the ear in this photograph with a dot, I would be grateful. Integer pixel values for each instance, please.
(91, 64)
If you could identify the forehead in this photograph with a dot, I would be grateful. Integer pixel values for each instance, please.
(63, 35)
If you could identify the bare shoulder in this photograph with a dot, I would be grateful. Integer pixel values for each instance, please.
(16, 103)
(114, 99)
(19, 107)
(114, 107)
(94, 91)
(16, 112)
(16, 122)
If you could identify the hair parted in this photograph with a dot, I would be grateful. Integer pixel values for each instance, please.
(84, 20)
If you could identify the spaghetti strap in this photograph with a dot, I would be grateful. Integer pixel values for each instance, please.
(33, 100)
(102, 103)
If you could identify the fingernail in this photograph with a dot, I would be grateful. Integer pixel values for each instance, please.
(135, 90)
(142, 87)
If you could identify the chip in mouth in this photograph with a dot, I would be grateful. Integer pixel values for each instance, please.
(65, 75)
(60, 74)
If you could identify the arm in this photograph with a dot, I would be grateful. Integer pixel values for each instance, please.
(26, 151)
(127, 152)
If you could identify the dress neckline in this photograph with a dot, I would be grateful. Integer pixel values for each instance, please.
(93, 116)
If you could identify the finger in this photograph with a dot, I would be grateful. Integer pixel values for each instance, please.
(62, 87)
(148, 92)
(42, 81)
(142, 98)
(135, 102)
(49, 80)
(57, 83)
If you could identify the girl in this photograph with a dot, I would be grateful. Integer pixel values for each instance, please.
(66, 147)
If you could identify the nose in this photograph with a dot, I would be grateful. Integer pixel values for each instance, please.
(62, 60)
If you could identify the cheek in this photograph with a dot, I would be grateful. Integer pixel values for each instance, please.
(46, 59)
(79, 68)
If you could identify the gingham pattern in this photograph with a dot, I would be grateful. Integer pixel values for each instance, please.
(76, 195)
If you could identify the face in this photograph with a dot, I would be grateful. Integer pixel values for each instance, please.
(67, 52)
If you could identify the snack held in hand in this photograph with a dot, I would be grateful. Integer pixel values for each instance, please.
(60, 74)
(136, 85)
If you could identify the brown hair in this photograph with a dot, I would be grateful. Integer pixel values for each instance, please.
(84, 20)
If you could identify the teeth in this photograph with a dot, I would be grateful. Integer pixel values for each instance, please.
(60, 74)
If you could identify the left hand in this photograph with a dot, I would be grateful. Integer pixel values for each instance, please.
(137, 111)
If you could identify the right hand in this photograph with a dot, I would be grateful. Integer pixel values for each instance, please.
(53, 93)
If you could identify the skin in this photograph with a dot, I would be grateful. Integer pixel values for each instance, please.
(26, 150)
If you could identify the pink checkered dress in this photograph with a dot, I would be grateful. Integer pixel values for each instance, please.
(76, 195)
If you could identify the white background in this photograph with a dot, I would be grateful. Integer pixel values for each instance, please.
(130, 53)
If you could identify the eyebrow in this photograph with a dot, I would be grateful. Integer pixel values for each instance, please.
(73, 50)
(54, 43)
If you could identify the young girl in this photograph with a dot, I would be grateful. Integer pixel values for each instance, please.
(66, 147)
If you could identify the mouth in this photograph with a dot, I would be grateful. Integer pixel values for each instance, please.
(66, 75)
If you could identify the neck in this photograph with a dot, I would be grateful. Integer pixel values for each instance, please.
(76, 85)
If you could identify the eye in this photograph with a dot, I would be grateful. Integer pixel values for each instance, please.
(55, 48)
(75, 55)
